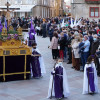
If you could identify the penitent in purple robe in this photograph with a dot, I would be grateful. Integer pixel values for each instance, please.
(31, 40)
(58, 82)
(31, 37)
(35, 65)
(90, 75)
(1, 27)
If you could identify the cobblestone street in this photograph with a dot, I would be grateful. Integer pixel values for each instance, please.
(37, 89)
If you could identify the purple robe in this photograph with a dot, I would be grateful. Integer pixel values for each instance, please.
(31, 40)
(31, 37)
(35, 65)
(58, 82)
(5, 23)
(90, 75)
(1, 27)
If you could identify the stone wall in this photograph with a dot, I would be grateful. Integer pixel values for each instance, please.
(43, 8)
(82, 9)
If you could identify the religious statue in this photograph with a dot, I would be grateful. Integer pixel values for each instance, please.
(4, 32)
(11, 28)
(19, 31)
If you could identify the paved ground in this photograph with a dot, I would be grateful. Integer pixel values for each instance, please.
(36, 89)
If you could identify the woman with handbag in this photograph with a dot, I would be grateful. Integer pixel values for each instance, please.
(54, 46)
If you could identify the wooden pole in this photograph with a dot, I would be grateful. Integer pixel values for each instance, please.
(25, 68)
(88, 80)
(7, 19)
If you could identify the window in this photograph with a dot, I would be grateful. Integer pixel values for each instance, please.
(45, 2)
(94, 11)
(28, 1)
(42, 2)
(18, 1)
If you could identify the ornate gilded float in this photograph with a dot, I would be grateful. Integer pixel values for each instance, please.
(12, 47)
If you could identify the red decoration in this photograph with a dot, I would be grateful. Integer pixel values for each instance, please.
(12, 43)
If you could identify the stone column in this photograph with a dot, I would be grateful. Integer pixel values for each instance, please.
(42, 12)
(48, 13)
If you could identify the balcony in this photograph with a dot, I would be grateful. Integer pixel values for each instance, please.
(92, 1)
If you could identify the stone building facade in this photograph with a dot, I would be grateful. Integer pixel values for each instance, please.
(22, 7)
(43, 8)
(86, 8)
(48, 8)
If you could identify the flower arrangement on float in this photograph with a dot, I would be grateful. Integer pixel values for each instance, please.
(12, 34)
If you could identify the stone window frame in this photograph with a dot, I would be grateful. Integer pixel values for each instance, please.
(94, 12)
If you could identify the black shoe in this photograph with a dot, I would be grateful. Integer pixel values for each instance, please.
(59, 98)
(81, 70)
(72, 67)
(91, 93)
(69, 62)
(98, 75)
(44, 37)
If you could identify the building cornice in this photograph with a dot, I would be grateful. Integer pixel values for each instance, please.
(78, 3)
(42, 5)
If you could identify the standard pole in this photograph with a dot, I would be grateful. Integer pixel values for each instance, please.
(7, 11)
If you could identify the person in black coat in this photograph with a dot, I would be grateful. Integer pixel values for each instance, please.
(94, 48)
(70, 38)
(95, 45)
(91, 40)
(98, 62)
(50, 32)
(44, 29)
(62, 43)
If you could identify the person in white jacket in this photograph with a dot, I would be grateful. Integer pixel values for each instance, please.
(90, 82)
(75, 51)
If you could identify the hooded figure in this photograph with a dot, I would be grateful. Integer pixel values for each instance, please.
(1, 27)
(90, 83)
(37, 63)
(5, 23)
(58, 86)
(32, 35)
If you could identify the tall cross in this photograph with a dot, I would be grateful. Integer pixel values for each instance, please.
(7, 4)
